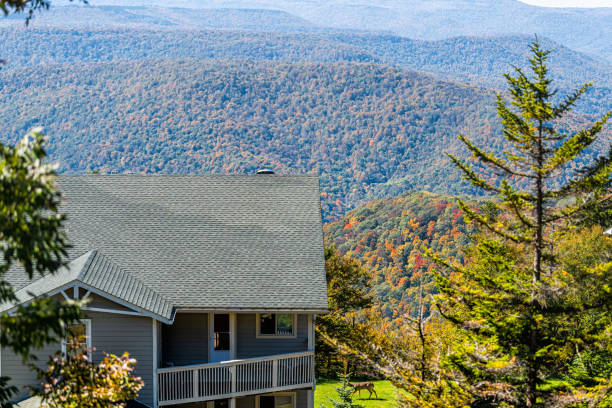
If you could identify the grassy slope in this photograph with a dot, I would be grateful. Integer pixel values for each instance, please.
(326, 389)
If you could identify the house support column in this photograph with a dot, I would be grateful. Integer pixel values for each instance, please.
(232, 403)
(311, 333)
(155, 365)
(310, 398)
(233, 342)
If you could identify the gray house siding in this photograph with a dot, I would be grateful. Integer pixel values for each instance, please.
(302, 399)
(111, 333)
(101, 302)
(246, 402)
(21, 375)
(186, 341)
(115, 333)
(248, 345)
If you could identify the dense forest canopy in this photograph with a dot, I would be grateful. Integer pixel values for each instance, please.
(480, 61)
(586, 30)
(367, 130)
(388, 236)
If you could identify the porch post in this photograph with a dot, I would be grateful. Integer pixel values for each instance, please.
(310, 398)
(155, 365)
(232, 402)
(310, 333)
(233, 342)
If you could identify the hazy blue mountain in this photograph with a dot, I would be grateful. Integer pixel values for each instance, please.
(481, 61)
(587, 30)
(79, 16)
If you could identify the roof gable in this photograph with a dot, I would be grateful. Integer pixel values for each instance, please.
(95, 272)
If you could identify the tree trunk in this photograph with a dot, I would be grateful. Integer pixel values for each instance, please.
(532, 364)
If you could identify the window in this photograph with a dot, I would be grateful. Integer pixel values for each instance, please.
(222, 332)
(81, 332)
(276, 324)
(284, 400)
(221, 404)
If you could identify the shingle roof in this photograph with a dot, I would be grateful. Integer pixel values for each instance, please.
(93, 270)
(210, 241)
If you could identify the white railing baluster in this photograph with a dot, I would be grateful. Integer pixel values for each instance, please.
(234, 378)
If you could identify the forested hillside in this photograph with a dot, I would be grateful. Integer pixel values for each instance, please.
(586, 30)
(481, 61)
(388, 237)
(366, 129)
(84, 16)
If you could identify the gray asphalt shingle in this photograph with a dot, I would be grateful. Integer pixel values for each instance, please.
(202, 241)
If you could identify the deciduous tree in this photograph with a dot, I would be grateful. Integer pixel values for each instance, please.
(72, 380)
(32, 238)
(347, 287)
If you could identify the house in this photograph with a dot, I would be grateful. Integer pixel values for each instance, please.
(211, 282)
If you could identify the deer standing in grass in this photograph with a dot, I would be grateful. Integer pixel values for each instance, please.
(368, 385)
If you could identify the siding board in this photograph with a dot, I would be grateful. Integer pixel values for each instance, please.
(115, 334)
(186, 341)
(20, 374)
(250, 346)
(110, 333)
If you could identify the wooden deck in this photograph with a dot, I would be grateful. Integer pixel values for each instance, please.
(235, 378)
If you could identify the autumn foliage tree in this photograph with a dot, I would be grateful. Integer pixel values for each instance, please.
(516, 297)
(72, 380)
(347, 288)
(32, 236)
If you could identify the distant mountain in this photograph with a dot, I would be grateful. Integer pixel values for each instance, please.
(368, 130)
(587, 30)
(80, 16)
(481, 61)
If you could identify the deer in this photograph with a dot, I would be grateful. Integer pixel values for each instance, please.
(368, 385)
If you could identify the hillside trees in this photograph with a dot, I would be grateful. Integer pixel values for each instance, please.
(517, 297)
(347, 287)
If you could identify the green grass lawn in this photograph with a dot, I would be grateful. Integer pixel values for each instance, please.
(326, 389)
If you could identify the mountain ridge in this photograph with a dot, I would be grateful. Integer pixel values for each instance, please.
(367, 130)
(479, 61)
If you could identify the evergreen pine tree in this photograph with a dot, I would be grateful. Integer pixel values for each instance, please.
(513, 296)
(345, 395)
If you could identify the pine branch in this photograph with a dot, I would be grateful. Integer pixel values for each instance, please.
(490, 159)
(575, 145)
(594, 177)
(471, 176)
(473, 216)
(569, 101)
(516, 201)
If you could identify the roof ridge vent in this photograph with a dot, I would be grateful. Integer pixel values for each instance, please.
(264, 171)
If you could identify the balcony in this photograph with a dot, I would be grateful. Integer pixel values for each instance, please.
(236, 378)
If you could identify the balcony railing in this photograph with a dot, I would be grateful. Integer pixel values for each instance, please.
(235, 378)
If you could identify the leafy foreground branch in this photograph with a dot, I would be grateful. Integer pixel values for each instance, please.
(33, 239)
(73, 381)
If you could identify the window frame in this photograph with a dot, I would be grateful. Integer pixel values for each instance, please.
(259, 335)
(88, 345)
(292, 394)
